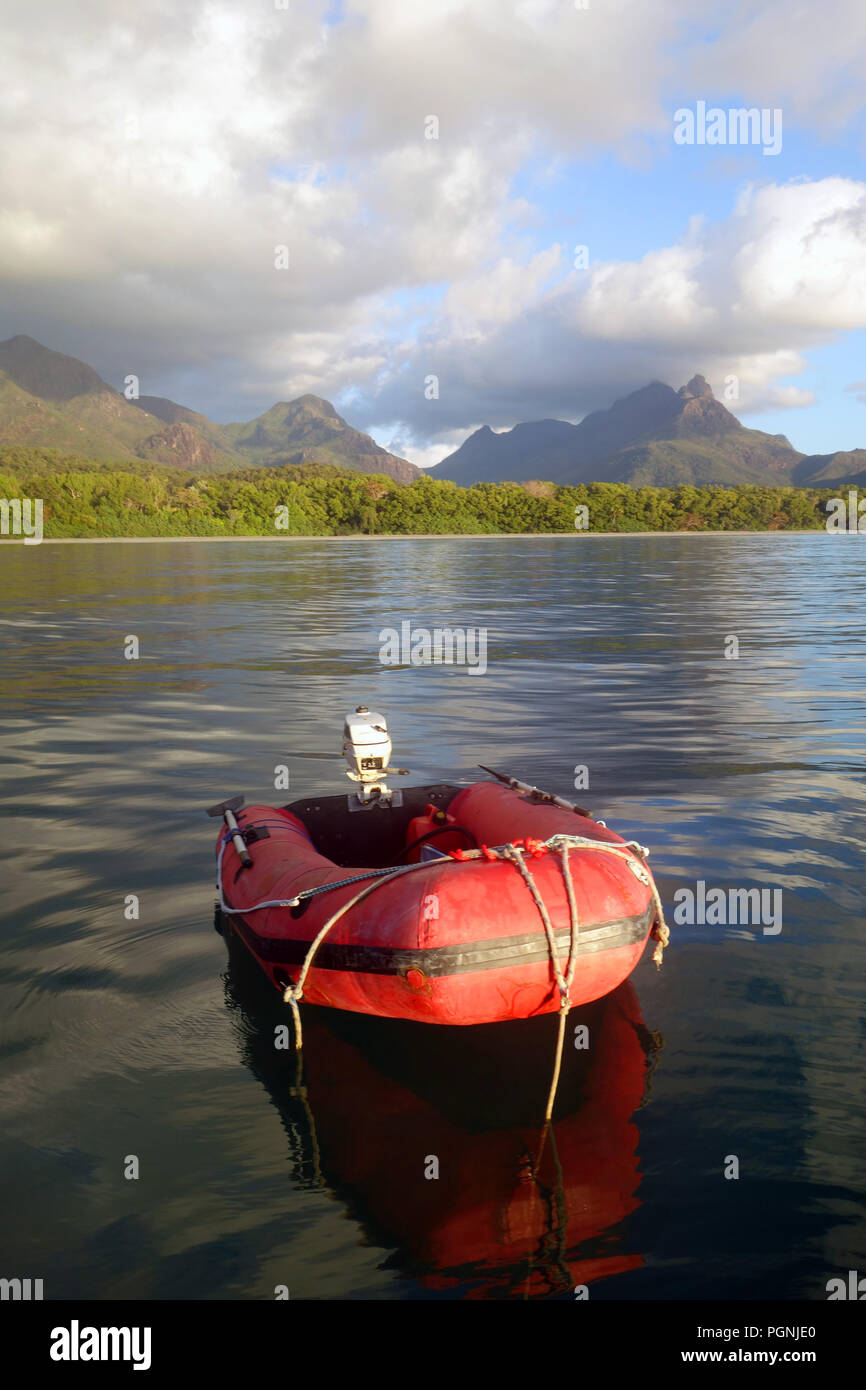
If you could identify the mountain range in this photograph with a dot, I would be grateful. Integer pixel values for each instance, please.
(654, 436)
(53, 401)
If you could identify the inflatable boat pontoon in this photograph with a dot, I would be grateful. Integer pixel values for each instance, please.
(444, 904)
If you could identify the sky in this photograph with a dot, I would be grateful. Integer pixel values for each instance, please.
(383, 202)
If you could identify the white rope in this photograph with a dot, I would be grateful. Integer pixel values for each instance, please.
(503, 853)
(293, 993)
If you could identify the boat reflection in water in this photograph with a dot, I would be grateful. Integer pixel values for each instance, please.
(512, 1213)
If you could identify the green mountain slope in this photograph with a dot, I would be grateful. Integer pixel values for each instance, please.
(672, 462)
(655, 436)
(845, 466)
(101, 424)
(51, 401)
(42, 372)
(309, 430)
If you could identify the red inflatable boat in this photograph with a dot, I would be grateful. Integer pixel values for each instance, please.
(524, 899)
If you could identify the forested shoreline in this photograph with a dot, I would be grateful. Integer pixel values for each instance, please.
(93, 498)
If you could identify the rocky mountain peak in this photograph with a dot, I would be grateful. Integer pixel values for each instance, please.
(313, 405)
(698, 386)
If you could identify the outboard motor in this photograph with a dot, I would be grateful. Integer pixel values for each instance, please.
(367, 750)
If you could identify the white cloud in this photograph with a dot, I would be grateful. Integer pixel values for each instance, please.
(656, 299)
(152, 156)
(744, 297)
(801, 255)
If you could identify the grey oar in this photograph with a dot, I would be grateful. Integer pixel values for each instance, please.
(536, 792)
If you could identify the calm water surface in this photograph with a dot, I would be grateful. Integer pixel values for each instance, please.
(148, 1038)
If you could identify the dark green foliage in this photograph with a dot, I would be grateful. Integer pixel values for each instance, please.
(87, 497)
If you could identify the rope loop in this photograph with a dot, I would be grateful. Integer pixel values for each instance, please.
(512, 853)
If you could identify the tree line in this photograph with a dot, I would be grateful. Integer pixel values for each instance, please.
(91, 497)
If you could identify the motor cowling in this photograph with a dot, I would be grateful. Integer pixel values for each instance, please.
(367, 749)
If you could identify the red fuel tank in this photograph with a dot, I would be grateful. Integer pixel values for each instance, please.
(433, 829)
